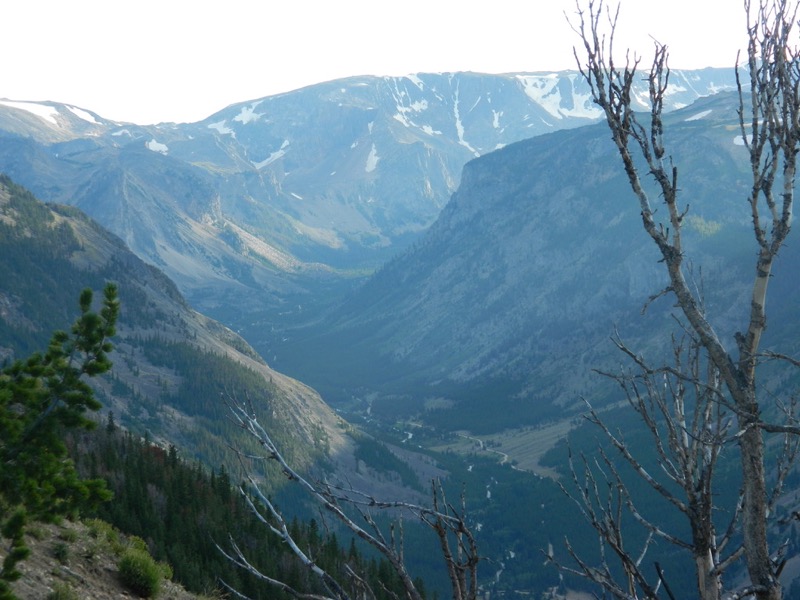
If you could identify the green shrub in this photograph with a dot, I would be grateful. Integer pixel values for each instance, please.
(106, 536)
(140, 573)
(36, 532)
(166, 570)
(69, 535)
(62, 591)
(61, 552)
(98, 528)
(137, 543)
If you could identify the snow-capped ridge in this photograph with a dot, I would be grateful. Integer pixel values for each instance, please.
(43, 111)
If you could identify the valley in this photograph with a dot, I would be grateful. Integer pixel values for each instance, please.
(409, 278)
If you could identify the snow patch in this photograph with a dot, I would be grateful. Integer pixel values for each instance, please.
(273, 156)
(298, 196)
(460, 125)
(543, 89)
(716, 89)
(699, 115)
(402, 118)
(404, 106)
(82, 114)
(674, 88)
(248, 114)
(121, 132)
(372, 160)
(643, 98)
(738, 141)
(430, 130)
(416, 81)
(496, 118)
(157, 146)
(48, 113)
(222, 128)
(415, 107)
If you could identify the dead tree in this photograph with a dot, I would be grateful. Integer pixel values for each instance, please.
(769, 115)
(355, 510)
(687, 418)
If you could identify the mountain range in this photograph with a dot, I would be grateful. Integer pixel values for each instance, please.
(492, 284)
(260, 206)
(270, 214)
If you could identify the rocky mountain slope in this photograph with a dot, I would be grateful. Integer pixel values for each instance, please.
(67, 559)
(253, 207)
(171, 364)
(498, 315)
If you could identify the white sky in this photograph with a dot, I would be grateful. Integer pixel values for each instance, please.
(148, 61)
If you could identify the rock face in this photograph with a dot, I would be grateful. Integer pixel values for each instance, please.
(501, 311)
(256, 205)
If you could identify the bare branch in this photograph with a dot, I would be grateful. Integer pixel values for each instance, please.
(461, 559)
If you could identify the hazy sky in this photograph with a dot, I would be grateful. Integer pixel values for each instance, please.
(150, 61)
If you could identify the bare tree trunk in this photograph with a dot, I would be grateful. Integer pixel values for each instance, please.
(754, 515)
(707, 584)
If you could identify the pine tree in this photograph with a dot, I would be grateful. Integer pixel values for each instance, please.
(40, 398)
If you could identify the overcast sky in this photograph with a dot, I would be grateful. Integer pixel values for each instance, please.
(148, 61)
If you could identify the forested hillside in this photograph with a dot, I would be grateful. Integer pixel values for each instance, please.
(183, 511)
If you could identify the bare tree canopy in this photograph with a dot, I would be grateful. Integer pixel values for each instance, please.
(714, 378)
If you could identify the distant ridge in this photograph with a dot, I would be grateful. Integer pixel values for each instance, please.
(273, 197)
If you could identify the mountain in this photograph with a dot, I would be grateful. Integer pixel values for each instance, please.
(267, 204)
(172, 365)
(497, 316)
